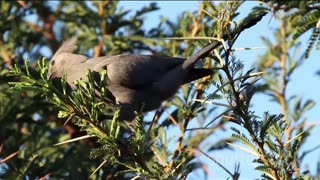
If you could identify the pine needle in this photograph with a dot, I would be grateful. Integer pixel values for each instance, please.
(74, 139)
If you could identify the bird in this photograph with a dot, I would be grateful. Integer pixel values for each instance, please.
(136, 82)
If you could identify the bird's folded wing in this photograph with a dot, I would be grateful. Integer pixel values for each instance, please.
(137, 71)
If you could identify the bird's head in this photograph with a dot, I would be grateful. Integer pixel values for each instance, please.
(60, 58)
(56, 66)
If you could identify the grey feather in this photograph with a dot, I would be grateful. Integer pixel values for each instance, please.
(68, 46)
(135, 81)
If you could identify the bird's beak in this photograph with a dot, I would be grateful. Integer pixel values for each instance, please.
(49, 75)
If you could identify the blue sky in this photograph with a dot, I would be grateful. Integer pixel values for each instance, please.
(304, 83)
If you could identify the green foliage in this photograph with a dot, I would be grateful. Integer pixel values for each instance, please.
(304, 16)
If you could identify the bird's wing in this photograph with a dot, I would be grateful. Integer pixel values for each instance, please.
(136, 71)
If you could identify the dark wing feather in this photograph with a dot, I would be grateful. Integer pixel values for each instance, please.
(195, 74)
(138, 71)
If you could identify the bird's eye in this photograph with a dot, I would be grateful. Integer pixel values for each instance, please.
(52, 62)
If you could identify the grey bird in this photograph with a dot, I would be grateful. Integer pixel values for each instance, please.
(135, 81)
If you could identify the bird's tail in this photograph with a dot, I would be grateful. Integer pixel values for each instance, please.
(201, 54)
(195, 74)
